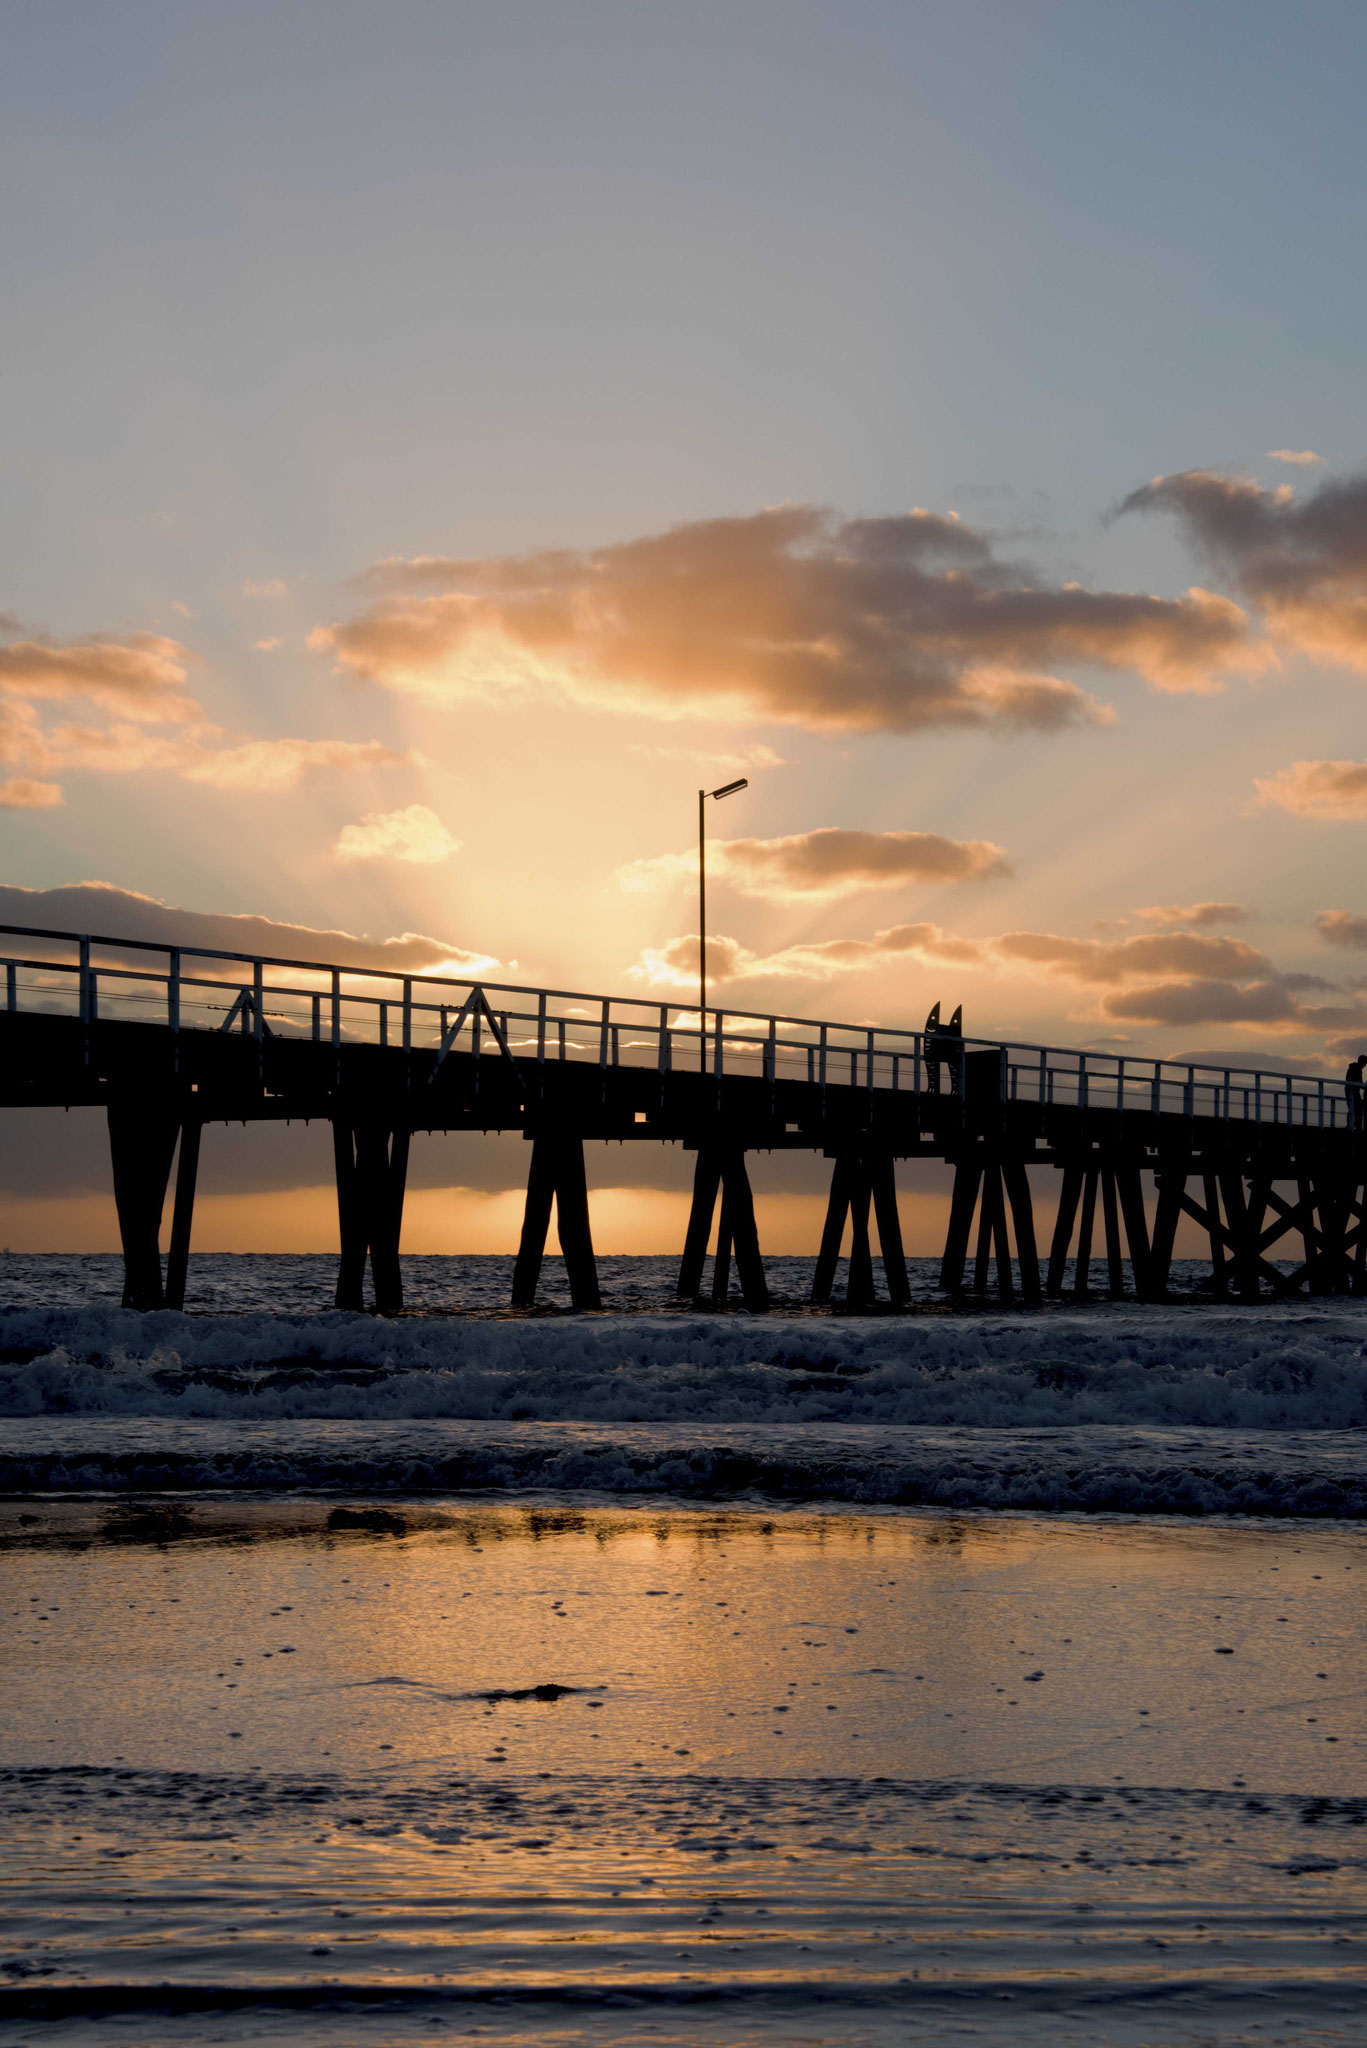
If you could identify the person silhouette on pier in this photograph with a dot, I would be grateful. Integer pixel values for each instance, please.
(1353, 1089)
(944, 1044)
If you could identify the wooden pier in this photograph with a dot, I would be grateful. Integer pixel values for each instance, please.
(166, 1040)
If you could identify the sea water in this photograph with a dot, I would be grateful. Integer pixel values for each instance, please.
(668, 1676)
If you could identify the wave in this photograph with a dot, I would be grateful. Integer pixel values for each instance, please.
(1300, 1369)
(1090, 1470)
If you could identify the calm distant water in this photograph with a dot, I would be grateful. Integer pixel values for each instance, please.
(437, 1284)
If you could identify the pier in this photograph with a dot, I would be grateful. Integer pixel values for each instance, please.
(168, 1040)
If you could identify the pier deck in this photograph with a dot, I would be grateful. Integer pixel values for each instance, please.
(166, 1040)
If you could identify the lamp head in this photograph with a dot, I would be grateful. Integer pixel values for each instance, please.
(730, 788)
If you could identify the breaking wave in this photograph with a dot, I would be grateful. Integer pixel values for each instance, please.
(1300, 1369)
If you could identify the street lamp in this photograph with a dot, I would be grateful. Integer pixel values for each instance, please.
(728, 789)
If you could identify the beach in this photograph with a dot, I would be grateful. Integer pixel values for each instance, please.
(645, 1728)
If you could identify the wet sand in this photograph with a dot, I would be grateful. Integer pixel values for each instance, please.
(774, 1776)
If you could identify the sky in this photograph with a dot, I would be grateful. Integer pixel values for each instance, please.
(436, 439)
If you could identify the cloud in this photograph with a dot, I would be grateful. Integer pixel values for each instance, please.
(1178, 977)
(266, 646)
(891, 624)
(1318, 789)
(1149, 955)
(256, 764)
(101, 908)
(713, 764)
(139, 681)
(1175, 978)
(141, 677)
(22, 793)
(415, 834)
(271, 587)
(1206, 1002)
(830, 861)
(282, 763)
(1301, 562)
(1341, 928)
(1301, 458)
(1195, 913)
(675, 964)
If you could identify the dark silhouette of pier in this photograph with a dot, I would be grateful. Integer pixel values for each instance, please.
(169, 1039)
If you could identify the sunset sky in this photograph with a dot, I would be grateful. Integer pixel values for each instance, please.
(437, 438)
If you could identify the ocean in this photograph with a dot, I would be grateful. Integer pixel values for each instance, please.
(673, 1676)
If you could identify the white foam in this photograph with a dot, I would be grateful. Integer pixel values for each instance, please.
(1293, 1368)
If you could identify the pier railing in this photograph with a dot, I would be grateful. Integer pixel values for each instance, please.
(90, 976)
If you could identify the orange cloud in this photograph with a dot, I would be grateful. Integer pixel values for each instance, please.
(1318, 789)
(139, 680)
(887, 624)
(1151, 956)
(1195, 913)
(140, 677)
(415, 834)
(281, 763)
(675, 964)
(257, 764)
(22, 793)
(830, 861)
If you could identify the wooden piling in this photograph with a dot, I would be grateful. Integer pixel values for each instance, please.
(350, 1290)
(382, 1161)
(141, 1146)
(536, 1220)
(837, 1209)
(572, 1223)
(738, 1211)
(982, 1257)
(1215, 1231)
(371, 1163)
(1063, 1228)
(1172, 1186)
(859, 1282)
(1006, 1285)
(1016, 1181)
(721, 1170)
(706, 1181)
(721, 1264)
(1082, 1269)
(963, 1201)
(889, 1221)
(182, 1215)
(1115, 1263)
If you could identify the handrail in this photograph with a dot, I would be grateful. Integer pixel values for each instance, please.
(890, 1058)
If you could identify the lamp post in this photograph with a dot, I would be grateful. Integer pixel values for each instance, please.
(728, 789)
